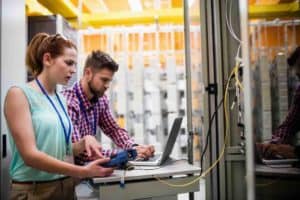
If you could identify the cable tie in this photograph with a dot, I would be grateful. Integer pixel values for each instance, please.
(122, 180)
(232, 105)
(238, 59)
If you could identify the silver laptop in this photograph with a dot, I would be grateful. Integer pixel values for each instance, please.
(160, 158)
(289, 161)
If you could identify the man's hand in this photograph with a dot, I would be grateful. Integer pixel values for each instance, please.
(276, 151)
(94, 169)
(145, 151)
(92, 147)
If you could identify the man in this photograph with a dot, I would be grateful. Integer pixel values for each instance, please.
(291, 125)
(88, 107)
(281, 142)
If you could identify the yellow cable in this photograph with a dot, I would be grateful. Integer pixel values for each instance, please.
(223, 148)
(236, 74)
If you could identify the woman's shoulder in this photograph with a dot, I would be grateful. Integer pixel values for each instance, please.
(15, 94)
(22, 89)
(15, 90)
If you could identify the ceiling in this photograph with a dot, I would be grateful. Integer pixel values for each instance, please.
(97, 13)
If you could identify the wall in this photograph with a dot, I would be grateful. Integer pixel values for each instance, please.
(13, 44)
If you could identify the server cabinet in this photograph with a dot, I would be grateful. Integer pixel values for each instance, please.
(12, 72)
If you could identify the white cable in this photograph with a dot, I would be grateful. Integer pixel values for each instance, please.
(237, 57)
(228, 22)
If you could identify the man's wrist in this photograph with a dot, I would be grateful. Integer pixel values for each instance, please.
(134, 145)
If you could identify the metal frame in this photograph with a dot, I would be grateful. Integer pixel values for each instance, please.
(250, 178)
(187, 49)
(218, 59)
(2, 195)
(207, 18)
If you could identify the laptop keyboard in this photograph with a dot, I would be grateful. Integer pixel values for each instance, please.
(151, 159)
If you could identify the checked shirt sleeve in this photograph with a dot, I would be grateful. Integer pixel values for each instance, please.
(110, 128)
(291, 124)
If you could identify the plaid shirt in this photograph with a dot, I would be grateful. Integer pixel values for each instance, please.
(291, 124)
(98, 111)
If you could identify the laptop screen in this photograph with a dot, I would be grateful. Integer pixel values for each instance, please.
(171, 139)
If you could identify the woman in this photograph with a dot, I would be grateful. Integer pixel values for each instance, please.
(40, 129)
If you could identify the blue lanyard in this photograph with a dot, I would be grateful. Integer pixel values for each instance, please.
(67, 135)
(85, 112)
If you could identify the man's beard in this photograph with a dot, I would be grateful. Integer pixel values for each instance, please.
(95, 93)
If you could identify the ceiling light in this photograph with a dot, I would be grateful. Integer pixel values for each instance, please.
(135, 5)
(190, 2)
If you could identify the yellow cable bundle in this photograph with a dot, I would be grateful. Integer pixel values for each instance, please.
(233, 72)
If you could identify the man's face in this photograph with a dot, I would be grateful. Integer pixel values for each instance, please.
(99, 81)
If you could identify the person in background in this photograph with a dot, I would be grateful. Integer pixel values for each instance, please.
(40, 128)
(281, 144)
(89, 108)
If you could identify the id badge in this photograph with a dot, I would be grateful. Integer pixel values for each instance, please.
(69, 157)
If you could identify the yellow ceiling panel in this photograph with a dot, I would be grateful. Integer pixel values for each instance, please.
(286, 1)
(163, 16)
(65, 8)
(99, 13)
(266, 2)
(117, 5)
(85, 9)
(275, 10)
(269, 2)
(33, 8)
(96, 6)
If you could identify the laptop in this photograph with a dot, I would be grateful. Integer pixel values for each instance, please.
(287, 161)
(160, 158)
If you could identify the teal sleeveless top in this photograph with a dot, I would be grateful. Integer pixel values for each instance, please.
(48, 132)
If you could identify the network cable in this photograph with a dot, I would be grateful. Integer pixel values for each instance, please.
(223, 148)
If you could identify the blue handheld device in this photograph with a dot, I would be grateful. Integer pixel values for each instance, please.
(120, 159)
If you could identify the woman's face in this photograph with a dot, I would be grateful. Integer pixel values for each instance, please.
(64, 66)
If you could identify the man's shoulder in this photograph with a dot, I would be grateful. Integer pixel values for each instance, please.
(70, 95)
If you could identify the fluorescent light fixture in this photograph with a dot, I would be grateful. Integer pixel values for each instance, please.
(135, 5)
(103, 6)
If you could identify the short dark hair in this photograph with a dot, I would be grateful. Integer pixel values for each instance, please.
(100, 60)
(294, 57)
